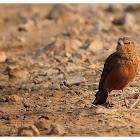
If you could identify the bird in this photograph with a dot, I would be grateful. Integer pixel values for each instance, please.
(119, 69)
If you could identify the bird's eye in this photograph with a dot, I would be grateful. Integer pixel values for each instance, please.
(128, 42)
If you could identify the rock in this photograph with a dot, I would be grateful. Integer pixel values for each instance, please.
(15, 72)
(61, 12)
(79, 55)
(27, 103)
(3, 99)
(75, 80)
(41, 124)
(72, 44)
(67, 45)
(10, 61)
(80, 104)
(41, 97)
(28, 130)
(112, 9)
(102, 110)
(27, 87)
(14, 98)
(57, 129)
(27, 26)
(3, 77)
(58, 94)
(55, 86)
(38, 80)
(49, 72)
(2, 56)
(67, 54)
(119, 20)
(132, 8)
(95, 46)
(73, 32)
(47, 84)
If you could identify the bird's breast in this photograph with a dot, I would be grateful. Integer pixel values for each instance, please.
(120, 76)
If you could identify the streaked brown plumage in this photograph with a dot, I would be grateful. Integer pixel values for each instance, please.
(119, 69)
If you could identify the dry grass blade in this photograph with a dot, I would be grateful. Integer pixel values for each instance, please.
(135, 104)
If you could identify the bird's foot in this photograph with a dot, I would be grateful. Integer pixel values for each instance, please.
(110, 104)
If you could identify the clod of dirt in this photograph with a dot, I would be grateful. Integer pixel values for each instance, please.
(14, 98)
(119, 20)
(15, 72)
(57, 129)
(2, 56)
(95, 46)
(75, 80)
(28, 130)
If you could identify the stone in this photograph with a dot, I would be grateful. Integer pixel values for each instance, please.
(96, 46)
(75, 80)
(28, 130)
(67, 54)
(58, 94)
(47, 84)
(38, 80)
(132, 8)
(49, 72)
(2, 56)
(119, 20)
(72, 44)
(61, 12)
(41, 124)
(79, 55)
(14, 98)
(112, 9)
(80, 104)
(27, 103)
(16, 73)
(27, 26)
(57, 129)
(41, 97)
(67, 45)
(55, 86)
(73, 32)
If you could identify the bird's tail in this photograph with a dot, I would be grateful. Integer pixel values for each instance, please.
(101, 97)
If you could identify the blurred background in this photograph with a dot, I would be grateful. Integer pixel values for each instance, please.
(28, 26)
(51, 60)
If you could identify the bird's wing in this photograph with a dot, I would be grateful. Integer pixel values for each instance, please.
(108, 66)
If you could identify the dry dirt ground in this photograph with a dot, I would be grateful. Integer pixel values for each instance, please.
(51, 59)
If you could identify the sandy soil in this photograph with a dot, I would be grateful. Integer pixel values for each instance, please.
(51, 61)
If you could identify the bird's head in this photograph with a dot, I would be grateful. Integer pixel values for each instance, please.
(125, 45)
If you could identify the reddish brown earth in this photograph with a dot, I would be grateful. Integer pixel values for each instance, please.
(51, 59)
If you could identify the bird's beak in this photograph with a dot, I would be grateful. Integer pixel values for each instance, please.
(121, 41)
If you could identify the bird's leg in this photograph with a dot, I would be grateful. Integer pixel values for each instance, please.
(124, 99)
(109, 99)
